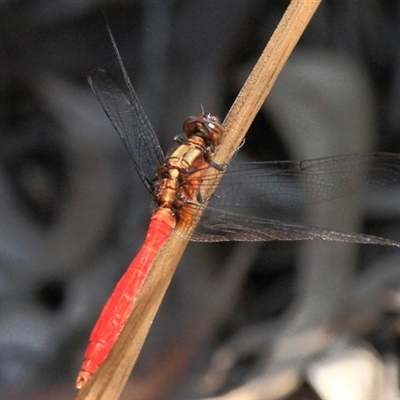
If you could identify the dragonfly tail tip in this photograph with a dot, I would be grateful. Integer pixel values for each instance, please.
(82, 379)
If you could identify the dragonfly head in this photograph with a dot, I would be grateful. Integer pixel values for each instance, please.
(206, 126)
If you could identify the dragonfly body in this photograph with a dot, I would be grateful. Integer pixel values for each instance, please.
(176, 186)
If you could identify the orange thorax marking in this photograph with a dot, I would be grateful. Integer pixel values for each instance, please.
(182, 174)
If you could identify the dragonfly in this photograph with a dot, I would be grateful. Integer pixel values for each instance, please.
(176, 183)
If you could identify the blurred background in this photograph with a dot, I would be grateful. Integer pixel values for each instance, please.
(239, 321)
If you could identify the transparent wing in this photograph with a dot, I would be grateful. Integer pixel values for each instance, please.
(291, 184)
(131, 124)
(221, 226)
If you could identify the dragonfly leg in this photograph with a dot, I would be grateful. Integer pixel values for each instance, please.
(202, 200)
(218, 167)
(223, 167)
(198, 202)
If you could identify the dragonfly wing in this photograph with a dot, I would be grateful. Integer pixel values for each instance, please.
(131, 124)
(221, 226)
(291, 184)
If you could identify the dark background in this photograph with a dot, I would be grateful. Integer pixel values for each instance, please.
(73, 212)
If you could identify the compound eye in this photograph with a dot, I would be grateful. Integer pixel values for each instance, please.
(205, 126)
(211, 126)
(191, 126)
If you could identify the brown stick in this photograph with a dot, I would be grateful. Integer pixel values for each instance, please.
(108, 382)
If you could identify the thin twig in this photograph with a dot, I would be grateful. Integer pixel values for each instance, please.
(108, 382)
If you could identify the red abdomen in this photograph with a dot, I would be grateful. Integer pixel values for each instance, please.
(119, 306)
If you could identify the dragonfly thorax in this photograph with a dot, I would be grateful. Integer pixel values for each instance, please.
(179, 178)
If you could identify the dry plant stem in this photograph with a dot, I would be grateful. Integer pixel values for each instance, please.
(108, 382)
(264, 74)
